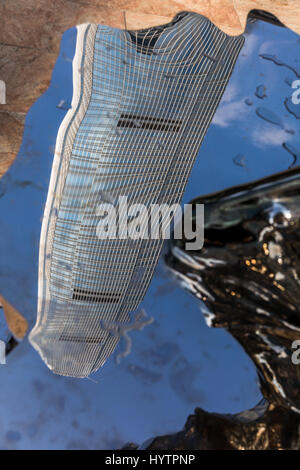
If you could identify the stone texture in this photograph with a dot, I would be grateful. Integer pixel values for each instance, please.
(247, 274)
(276, 429)
(30, 34)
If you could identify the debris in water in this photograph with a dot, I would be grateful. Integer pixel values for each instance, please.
(261, 92)
(293, 151)
(269, 116)
(274, 58)
(240, 160)
(141, 320)
(65, 105)
(26, 184)
(249, 102)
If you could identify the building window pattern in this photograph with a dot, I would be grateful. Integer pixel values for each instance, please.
(142, 103)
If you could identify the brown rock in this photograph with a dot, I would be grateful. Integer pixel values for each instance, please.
(30, 34)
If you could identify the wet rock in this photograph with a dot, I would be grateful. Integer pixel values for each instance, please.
(30, 36)
(275, 429)
(247, 276)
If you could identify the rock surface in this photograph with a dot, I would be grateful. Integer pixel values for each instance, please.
(248, 276)
(276, 429)
(30, 34)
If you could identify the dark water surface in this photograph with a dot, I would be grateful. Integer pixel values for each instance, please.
(176, 362)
